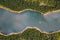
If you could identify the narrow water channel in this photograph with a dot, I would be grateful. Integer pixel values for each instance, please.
(11, 22)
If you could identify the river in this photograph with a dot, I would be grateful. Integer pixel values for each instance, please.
(11, 22)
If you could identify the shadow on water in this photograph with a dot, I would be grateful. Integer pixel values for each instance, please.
(11, 22)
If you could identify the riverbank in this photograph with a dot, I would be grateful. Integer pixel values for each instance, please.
(28, 9)
(27, 28)
(29, 33)
(52, 11)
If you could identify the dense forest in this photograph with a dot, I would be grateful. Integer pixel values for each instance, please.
(39, 5)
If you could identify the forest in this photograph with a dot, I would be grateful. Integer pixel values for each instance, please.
(39, 5)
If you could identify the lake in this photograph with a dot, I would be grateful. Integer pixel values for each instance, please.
(11, 22)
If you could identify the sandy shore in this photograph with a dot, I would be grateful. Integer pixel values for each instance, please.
(7, 8)
(24, 30)
(28, 9)
(51, 12)
(29, 28)
(17, 11)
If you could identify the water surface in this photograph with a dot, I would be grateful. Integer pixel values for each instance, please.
(11, 22)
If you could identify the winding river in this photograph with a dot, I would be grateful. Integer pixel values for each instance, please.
(11, 22)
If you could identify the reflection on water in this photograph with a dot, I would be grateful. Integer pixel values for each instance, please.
(16, 22)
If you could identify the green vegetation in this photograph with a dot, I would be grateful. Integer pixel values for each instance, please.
(32, 34)
(39, 5)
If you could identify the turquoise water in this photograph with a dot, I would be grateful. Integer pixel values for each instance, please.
(11, 22)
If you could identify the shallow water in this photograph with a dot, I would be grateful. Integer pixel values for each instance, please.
(11, 22)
